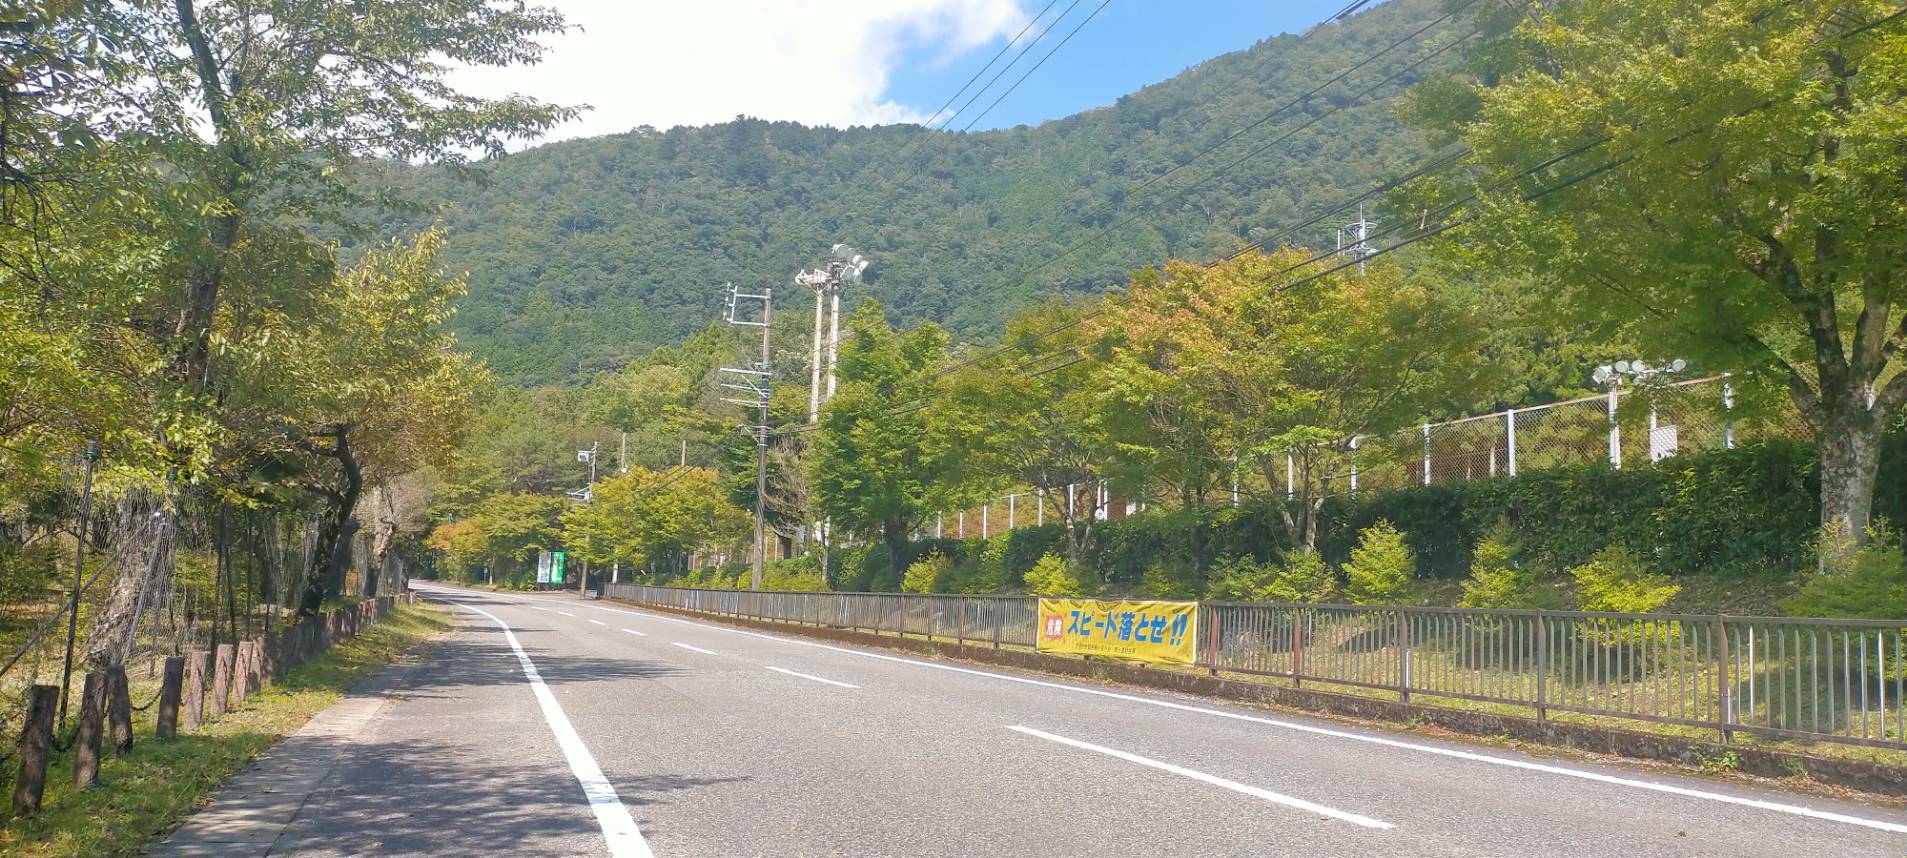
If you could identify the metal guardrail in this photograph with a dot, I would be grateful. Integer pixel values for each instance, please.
(1814, 679)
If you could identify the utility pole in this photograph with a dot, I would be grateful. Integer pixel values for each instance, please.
(755, 381)
(589, 494)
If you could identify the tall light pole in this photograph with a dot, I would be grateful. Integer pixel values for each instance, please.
(844, 266)
(1611, 376)
(755, 381)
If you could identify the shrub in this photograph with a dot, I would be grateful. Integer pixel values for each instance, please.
(795, 574)
(1300, 576)
(1496, 579)
(1617, 580)
(1050, 577)
(1869, 583)
(926, 574)
(1303, 576)
(1240, 579)
(1380, 567)
(1165, 580)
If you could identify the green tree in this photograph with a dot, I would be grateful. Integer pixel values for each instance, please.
(1381, 566)
(1051, 577)
(927, 574)
(1245, 373)
(1035, 427)
(653, 519)
(1617, 580)
(876, 464)
(1737, 197)
(1496, 579)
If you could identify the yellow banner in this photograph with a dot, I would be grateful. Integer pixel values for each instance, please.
(1157, 632)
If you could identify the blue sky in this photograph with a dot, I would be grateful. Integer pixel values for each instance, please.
(860, 62)
(1130, 44)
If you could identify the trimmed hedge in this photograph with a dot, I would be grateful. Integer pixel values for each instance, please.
(1751, 510)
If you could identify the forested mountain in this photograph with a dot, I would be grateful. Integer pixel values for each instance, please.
(586, 252)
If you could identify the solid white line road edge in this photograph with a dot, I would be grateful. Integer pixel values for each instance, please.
(693, 647)
(806, 676)
(1525, 765)
(619, 828)
(1214, 780)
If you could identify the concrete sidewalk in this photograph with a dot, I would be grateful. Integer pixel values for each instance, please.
(257, 808)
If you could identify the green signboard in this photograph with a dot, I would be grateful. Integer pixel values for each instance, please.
(556, 567)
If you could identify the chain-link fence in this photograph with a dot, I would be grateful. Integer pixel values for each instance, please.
(157, 576)
(1632, 426)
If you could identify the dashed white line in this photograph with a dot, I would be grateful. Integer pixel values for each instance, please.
(566, 613)
(695, 648)
(815, 678)
(637, 633)
(599, 622)
(1525, 765)
(1214, 780)
(619, 828)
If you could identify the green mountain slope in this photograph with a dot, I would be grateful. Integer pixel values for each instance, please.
(586, 252)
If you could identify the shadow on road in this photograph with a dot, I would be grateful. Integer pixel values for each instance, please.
(425, 798)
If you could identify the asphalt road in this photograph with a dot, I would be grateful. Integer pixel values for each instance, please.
(593, 729)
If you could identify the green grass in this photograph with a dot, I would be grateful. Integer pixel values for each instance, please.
(145, 793)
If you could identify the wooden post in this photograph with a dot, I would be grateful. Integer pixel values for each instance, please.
(86, 736)
(259, 676)
(196, 664)
(221, 682)
(267, 659)
(119, 708)
(36, 741)
(241, 672)
(169, 689)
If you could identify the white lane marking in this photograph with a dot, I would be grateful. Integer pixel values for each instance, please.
(1525, 765)
(619, 829)
(1214, 780)
(599, 622)
(637, 633)
(566, 613)
(695, 648)
(815, 678)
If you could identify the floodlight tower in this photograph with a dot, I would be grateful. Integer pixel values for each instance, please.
(1611, 376)
(1359, 232)
(844, 266)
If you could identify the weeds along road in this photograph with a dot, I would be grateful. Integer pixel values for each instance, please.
(548, 725)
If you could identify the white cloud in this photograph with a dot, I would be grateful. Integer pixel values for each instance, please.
(695, 62)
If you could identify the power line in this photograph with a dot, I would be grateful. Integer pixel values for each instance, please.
(996, 58)
(1036, 66)
(1282, 108)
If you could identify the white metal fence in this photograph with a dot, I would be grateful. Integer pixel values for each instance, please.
(1625, 427)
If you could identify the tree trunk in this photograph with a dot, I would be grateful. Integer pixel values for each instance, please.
(336, 526)
(1850, 461)
(110, 639)
(894, 534)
